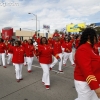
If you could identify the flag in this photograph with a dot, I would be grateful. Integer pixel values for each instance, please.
(46, 27)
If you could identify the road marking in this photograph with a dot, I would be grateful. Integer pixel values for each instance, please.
(36, 66)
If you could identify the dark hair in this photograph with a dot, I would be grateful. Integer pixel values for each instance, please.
(68, 37)
(25, 41)
(1, 40)
(76, 37)
(44, 38)
(31, 41)
(19, 42)
(88, 33)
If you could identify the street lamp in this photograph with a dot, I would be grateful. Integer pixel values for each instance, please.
(36, 22)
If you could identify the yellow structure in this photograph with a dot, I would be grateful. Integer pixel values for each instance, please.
(75, 27)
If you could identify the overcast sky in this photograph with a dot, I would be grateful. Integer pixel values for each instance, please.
(56, 13)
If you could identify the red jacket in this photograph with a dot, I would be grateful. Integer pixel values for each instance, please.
(29, 50)
(72, 41)
(38, 40)
(61, 40)
(18, 54)
(24, 45)
(2, 48)
(57, 47)
(87, 66)
(67, 46)
(45, 54)
(8, 48)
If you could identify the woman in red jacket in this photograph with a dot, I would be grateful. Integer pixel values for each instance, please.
(77, 41)
(24, 44)
(57, 52)
(9, 58)
(97, 47)
(87, 70)
(29, 50)
(18, 59)
(44, 52)
(67, 46)
(2, 52)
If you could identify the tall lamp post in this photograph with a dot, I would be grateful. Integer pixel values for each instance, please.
(36, 22)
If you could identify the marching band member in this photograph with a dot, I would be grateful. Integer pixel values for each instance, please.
(24, 44)
(2, 52)
(44, 51)
(67, 45)
(96, 48)
(9, 58)
(57, 52)
(18, 59)
(77, 41)
(29, 50)
(38, 40)
(50, 41)
(87, 70)
(72, 39)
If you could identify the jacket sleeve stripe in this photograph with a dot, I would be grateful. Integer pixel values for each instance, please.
(91, 78)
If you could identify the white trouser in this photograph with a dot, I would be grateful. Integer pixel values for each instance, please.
(9, 59)
(2, 56)
(46, 75)
(66, 56)
(18, 70)
(29, 61)
(25, 61)
(84, 92)
(63, 52)
(55, 61)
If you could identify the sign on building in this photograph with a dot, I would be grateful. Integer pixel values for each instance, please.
(75, 27)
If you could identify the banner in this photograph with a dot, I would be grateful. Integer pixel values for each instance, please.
(46, 27)
(75, 27)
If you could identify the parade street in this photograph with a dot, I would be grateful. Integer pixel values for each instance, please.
(31, 87)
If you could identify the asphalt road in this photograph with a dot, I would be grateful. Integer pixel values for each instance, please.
(31, 87)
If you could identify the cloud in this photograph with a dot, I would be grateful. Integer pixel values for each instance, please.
(56, 13)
